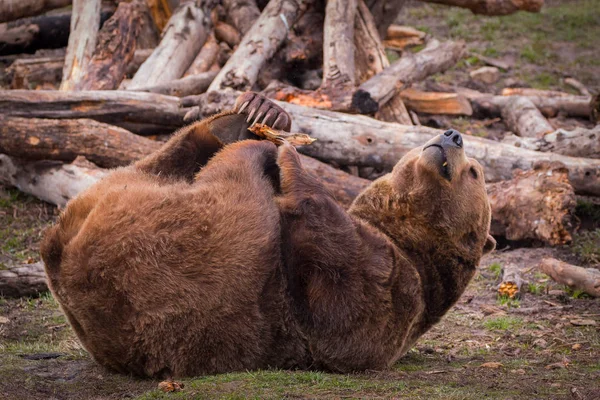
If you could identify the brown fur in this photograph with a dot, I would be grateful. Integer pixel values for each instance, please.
(190, 262)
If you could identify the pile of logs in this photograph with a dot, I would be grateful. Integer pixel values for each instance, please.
(111, 78)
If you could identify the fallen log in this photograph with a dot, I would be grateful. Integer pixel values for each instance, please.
(85, 22)
(206, 57)
(242, 14)
(436, 102)
(64, 140)
(138, 112)
(585, 279)
(36, 73)
(436, 57)
(11, 10)
(512, 282)
(523, 118)
(338, 44)
(533, 92)
(580, 87)
(384, 12)
(370, 59)
(114, 51)
(259, 45)
(538, 204)
(493, 7)
(490, 106)
(148, 36)
(227, 33)
(23, 280)
(51, 181)
(579, 142)
(160, 11)
(139, 57)
(181, 41)
(48, 31)
(359, 140)
(304, 45)
(187, 86)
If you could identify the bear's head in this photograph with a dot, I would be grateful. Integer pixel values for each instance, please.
(434, 200)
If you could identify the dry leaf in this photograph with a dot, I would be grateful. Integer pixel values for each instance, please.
(4, 320)
(558, 365)
(276, 136)
(170, 386)
(576, 346)
(492, 365)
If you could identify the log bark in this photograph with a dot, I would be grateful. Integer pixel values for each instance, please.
(51, 181)
(63, 140)
(242, 14)
(535, 205)
(182, 40)
(11, 10)
(304, 45)
(338, 44)
(148, 35)
(580, 87)
(227, 33)
(205, 58)
(436, 102)
(385, 12)
(36, 73)
(523, 118)
(370, 59)
(23, 280)
(585, 279)
(48, 31)
(533, 92)
(378, 90)
(138, 112)
(490, 106)
(579, 142)
(359, 140)
(139, 57)
(512, 281)
(114, 51)
(258, 45)
(85, 22)
(187, 86)
(493, 7)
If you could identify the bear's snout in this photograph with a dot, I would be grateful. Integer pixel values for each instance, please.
(452, 138)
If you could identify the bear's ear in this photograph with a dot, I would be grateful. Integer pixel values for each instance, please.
(490, 244)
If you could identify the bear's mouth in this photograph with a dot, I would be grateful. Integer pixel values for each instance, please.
(444, 170)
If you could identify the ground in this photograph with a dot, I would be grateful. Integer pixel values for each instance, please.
(545, 345)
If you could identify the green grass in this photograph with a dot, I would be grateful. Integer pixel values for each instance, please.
(507, 301)
(503, 323)
(536, 288)
(496, 270)
(586, 245)
(586, 209)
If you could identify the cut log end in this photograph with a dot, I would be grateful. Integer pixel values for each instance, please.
(363, 103)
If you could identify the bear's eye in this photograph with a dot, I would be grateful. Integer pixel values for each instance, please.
(473, 172)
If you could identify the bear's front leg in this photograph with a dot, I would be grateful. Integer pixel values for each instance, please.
(337, 274)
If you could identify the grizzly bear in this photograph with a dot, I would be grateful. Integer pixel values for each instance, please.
(206, 258)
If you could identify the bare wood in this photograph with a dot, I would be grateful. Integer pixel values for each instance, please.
(523, 118)
(493, 7)
(148, 36)
(585, 279)
(359, 140)
(242, 13)
(491, 106)
(580, 87)
(385, 12)
(51, 181)
(139, 57)
(11, 10)
(579, 142)
(182, 39)
(512, 281)
(85, 22)
(143, 113)
(338, 43)
(436, 102)
(205, 58)
(259, 45)
(370, 59)
(161, 12)
(533, 92)
(538, 204)
(436, 57)
(227, 33)
(187, 86)
(23, 280)
(36, 73)
(399, 37)
(50, 139)
(114, 51)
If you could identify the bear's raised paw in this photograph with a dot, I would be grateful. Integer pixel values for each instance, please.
(261, 110)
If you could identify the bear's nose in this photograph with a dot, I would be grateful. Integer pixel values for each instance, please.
(452, 138)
